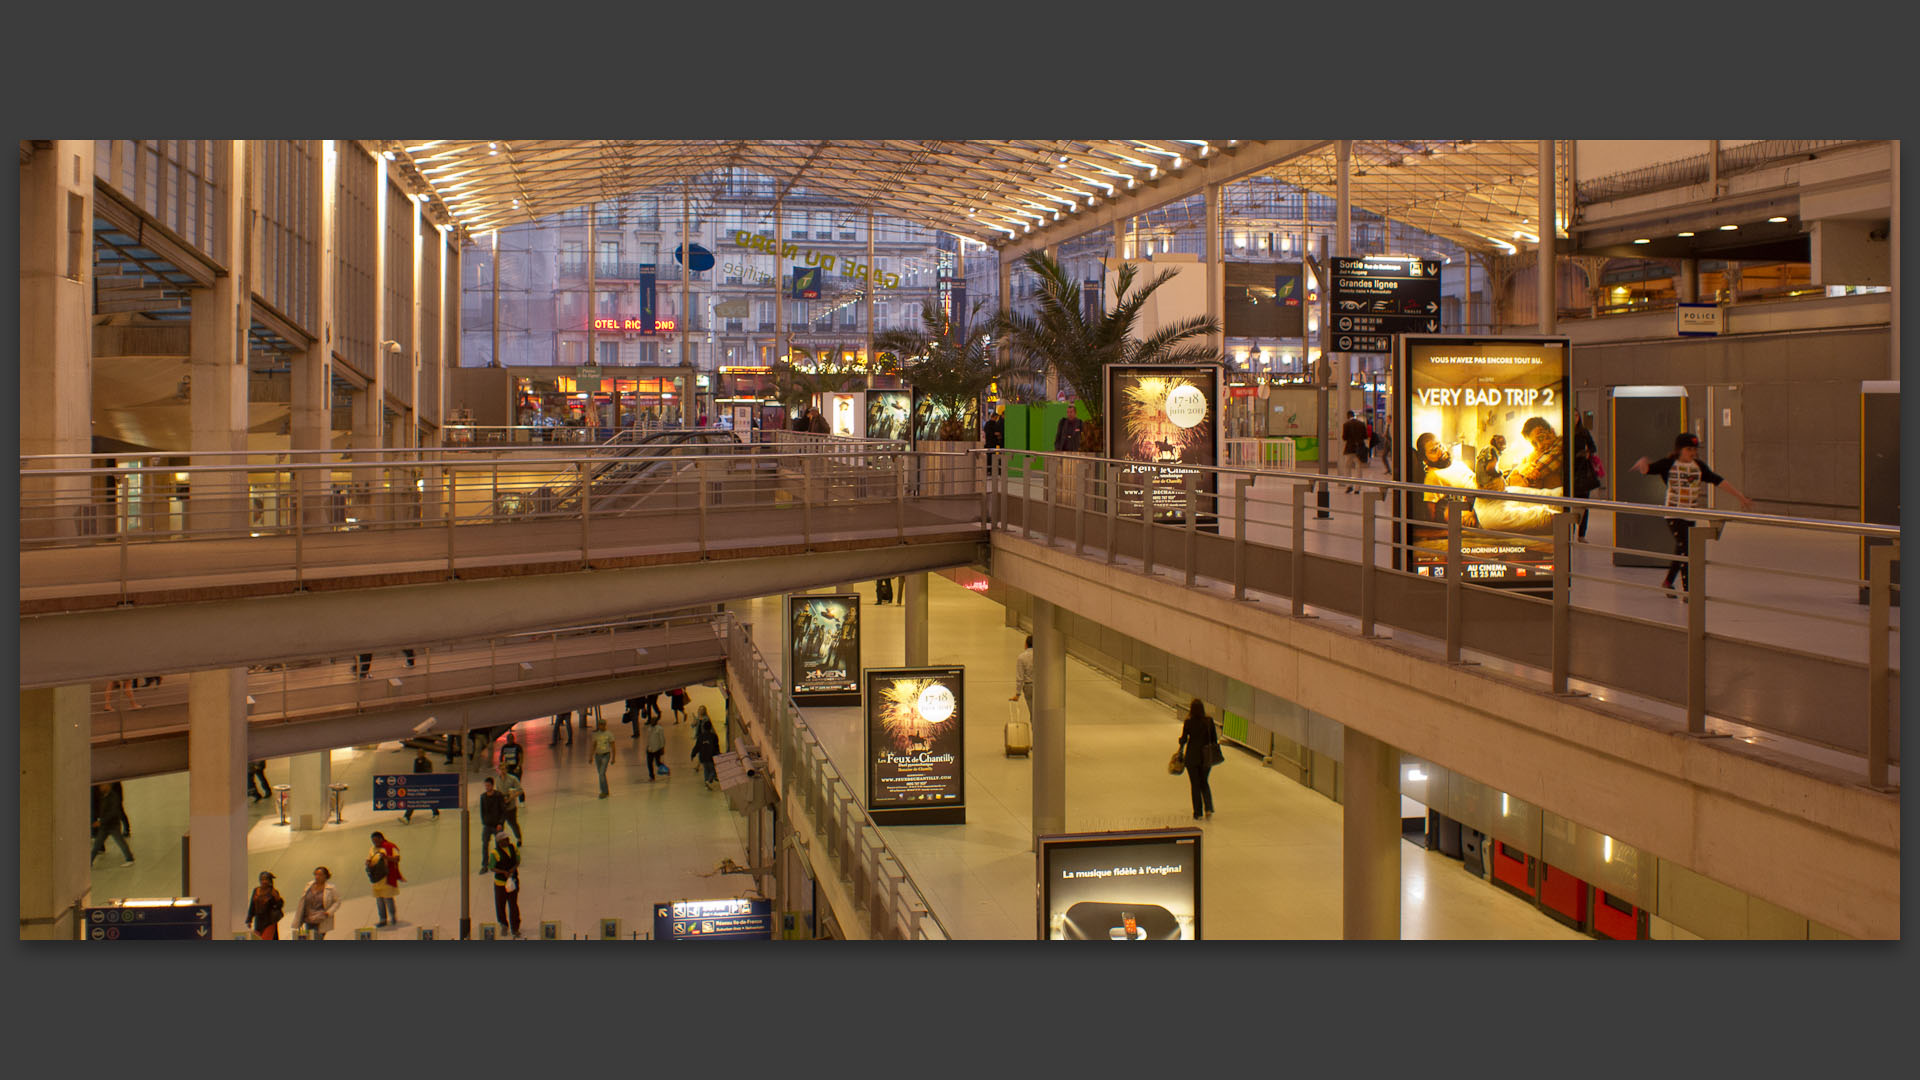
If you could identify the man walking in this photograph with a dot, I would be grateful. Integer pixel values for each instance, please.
(1687, 478)
(420, 765)
(1023, 676)
(257, 773)
(602, 753)
(563, 719)
(1353, 449)
(493, 812)
(656, 748)
(110, 821)
(510, 755)
(516, 797)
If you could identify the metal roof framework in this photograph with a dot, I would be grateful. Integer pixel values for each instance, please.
(1481, 194)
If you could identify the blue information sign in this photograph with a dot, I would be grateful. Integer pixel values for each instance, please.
(733, 919)
(159, 921)
(417, 791)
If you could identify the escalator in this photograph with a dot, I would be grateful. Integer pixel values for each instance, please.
(633, 467)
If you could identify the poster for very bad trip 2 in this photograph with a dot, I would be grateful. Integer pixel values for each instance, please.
(824, 649)
(1492, 417)
(916, 745)
(1166, 417)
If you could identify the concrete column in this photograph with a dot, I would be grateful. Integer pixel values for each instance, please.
(1370, 839)
(56, 334)
(312, 423)
(1049, 722)
(307, 802)
(1690, 280)
(55, 826)
(1894, 294)
(218, 327)
(412, 437)
(1549, 299)
(216, 785)
(915, 596)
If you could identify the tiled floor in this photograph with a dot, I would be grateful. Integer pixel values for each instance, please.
(1272, 851)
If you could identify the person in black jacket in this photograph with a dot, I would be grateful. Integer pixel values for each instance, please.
(1586, 478)
(506, 881)
(110, 820)
(265, 908)
(493, 814)
(420, 765)
(1197, 740)
(706, 745)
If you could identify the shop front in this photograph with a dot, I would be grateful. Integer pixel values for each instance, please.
(559, 406)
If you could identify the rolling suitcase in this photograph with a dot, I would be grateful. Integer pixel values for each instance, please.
(1019, 730)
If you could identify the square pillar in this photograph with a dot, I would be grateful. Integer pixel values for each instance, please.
(309, 775)
(312, 422)
(55, 827)
(218, 326)
(1049, 721)
(1370, 839)
(56, 332)
(216, 787)
(915, 597)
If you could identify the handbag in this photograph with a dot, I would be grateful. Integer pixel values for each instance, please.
(1215, 755)
(513, 881)
(1176, 764)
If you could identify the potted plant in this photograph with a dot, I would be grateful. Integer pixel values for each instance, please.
(1061, 336)
(950, 367)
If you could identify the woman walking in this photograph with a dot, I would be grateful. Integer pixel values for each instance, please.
(264, 909)
(318, 904)
(677, 697)
(1586, 471)
(706, 745)
(656, 748)
(1197, 741)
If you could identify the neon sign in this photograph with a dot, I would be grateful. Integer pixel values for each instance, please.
(633, 324)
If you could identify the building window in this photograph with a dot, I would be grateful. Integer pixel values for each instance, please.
(607, 299)
(609, 259)
(609, 353)
(573, 258)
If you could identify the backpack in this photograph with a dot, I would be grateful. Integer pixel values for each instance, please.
(377, 868)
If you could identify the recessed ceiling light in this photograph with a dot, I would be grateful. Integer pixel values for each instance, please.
(1643, 240)
(1776, 220)
(1728, 228)
(1686, 234)
(493, 146)
(389, 155)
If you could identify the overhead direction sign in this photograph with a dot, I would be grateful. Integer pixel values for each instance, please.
(150, 920)
(1363, 343)
(417, 791)
(1378, 295)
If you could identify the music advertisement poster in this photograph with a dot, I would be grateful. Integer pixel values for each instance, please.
(1167, 418)
(824, 648)
(1141, 885)
(889, 414)
(1492, 417)
(916, 745)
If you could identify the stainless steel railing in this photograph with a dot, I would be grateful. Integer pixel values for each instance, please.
(810, 781)
(1791, 648)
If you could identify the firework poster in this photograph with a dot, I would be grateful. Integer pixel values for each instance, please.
(1168, 418)
(916, 745)
(824, 648)
(1491, 416)
(1142, 885)
(888, 414)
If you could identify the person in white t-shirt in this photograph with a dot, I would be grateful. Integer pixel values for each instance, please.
(1687, 478)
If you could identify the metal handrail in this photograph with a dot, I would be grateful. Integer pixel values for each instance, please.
(1125, 482)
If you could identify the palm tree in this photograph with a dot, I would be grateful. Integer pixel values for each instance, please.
(947, 365)
(820, 371)
(1062, 336)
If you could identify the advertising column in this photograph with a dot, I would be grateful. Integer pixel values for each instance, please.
(824, 648)
(916, 748)
(1120, 886)
(1491, 416)
(1167, 418)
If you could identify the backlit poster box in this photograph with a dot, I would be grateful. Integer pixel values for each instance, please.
(1261, 300)
(1492, 417)
(1166, 417)
(825, 648)
(1120, 886)
(930, 419)
(916, 752)
(889, 414)
(846, 416)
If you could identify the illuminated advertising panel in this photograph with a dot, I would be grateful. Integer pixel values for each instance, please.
(1261, 300)
(1120, 886)
(1168, 418)
(825, 648)
(930, 419)
(915, 745)
(889, 414)
(1492, 417)
(846, 414)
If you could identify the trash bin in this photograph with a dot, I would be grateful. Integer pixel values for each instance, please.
(1471, 843)
(1143, 686)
